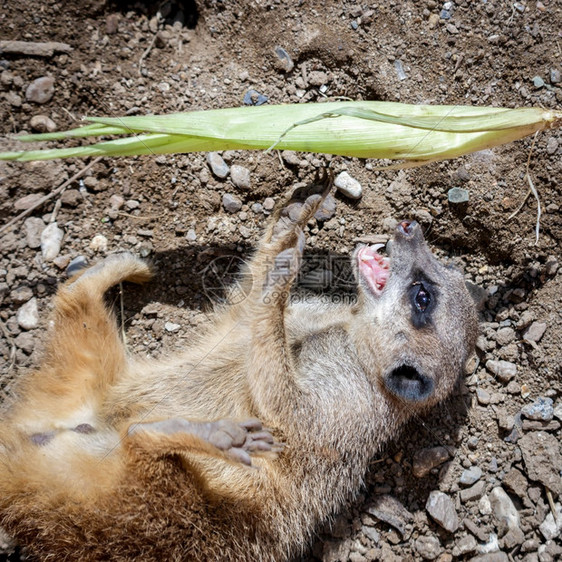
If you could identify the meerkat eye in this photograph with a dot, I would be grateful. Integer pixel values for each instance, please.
(422, 298)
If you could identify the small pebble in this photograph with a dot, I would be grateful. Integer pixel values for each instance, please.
(551, 145)
(116, 202)
(191, 235)
(218, 166)
(171, 327)
(42, 124)
(28, 202)
(538, 82)
(555, 76)
(470, 476)
(348, 186)
(483, 396)
(231, 203)
(457, 195)
(285, 60)
(504, 511)
(428, 547)
(253, 97)
(240, 176)
(426, 459)
(475, 492)
(51, 240)
(503, 370)
(542, 409)
(33, 227)
(28, 315)
(99, 243)
(551, 528)
(269, 204)
(399, 70)
(535, 332)
(442, 509)
(41, 90)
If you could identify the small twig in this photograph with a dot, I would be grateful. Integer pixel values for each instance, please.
(57, 208)
(146, 53)
(12, 345)
(53, 193)
(551, 503)
(531, 190)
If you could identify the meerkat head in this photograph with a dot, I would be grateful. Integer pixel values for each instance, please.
(415, 322)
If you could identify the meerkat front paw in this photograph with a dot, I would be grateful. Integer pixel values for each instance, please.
(237, 441)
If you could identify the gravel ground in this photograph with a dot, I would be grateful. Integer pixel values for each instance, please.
(479, 477)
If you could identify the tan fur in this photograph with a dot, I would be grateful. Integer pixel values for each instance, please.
(311, 372)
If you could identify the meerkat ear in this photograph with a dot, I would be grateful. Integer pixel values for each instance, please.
(479, 294)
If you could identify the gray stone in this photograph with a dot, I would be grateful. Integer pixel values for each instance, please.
(457, 195)
(542, 409)
(551, 528)
(483, 396)
(171, 327)
(269, 204)
(51, 240)
(484, 505)
(551, 145)
(504, 511)
(285, 61)
(515, 481)
(426, 459)
(191, 235)
(71, 197)
(465, 545)
(42, 124)
(475, 492)
(542, 458)
(442, 509)
(555, 76)
(428, 547)
(371, 533)
(513, 538)
(503, 370)
(470, 476)
(240, 177)
(348, 186)
(505, 336)
(21, 295)
(28, 201)
(28, 315)
(33, 227)
(388, 509)
(25, 341)
(231, 203)
(534, 332)
(218, 166)
(41, 90)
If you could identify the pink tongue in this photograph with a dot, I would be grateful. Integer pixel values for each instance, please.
(374, 267)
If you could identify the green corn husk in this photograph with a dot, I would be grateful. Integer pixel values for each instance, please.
(365, 129)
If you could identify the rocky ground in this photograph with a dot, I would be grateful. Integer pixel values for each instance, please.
(479, 478)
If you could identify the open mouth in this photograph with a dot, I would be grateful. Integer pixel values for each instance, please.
(374, 267)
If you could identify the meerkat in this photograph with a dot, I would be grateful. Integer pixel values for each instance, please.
(241, 446)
